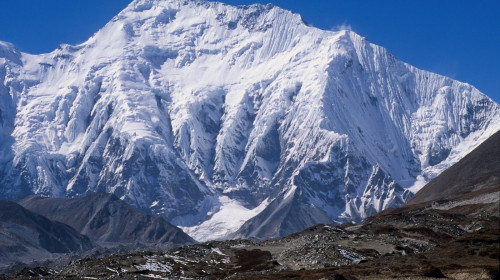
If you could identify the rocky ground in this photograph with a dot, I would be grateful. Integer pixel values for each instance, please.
(448, 239)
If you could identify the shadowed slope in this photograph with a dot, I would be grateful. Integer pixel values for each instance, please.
(107, 219)
(25, 236)
(477, 171)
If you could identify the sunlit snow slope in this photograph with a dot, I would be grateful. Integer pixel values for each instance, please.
(202, 112)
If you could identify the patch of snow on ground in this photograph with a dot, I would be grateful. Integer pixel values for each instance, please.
(350, 255)
(218, 251)
(154, 276)
(239, 246)
(179, 259)
(112, 270)
(153, 265)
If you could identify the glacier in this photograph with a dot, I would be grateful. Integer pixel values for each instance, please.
(231, 121)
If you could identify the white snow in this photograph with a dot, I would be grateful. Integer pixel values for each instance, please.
(152, 264)
(112, 270)
(218, 251)
(154, 203)
(230, 217)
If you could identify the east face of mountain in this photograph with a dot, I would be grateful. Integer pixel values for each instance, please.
(222, 118)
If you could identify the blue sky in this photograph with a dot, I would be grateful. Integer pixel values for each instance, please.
(455, 38)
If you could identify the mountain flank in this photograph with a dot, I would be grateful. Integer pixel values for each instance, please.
(26, 236)
(476, 173)
(107, 220)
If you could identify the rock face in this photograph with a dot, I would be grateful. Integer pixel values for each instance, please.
(26, 236)
(220, 118)
(107, 220)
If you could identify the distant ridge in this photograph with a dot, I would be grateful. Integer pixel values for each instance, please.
(107, 219)
(26, 236)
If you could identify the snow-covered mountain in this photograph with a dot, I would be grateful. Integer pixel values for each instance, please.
(231, 121)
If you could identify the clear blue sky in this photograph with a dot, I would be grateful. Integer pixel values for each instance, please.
(456, 38)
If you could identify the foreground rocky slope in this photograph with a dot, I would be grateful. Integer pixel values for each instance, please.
(456, 238)
(230, 119)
